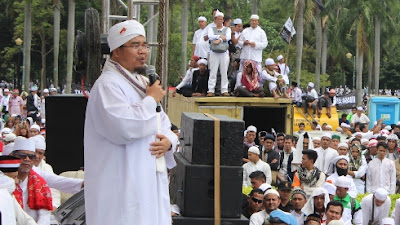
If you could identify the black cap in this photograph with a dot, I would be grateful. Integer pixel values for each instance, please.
(270, 137)
(284, 185)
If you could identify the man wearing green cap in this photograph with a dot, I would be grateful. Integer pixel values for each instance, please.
(335, 141)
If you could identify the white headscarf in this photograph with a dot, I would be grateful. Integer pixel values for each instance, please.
(309, 206)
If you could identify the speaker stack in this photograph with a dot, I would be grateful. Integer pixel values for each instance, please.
(192, 180)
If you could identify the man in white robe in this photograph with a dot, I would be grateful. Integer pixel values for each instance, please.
(375, 206)
(381, 172)
(200, 47)
(325, 153)
(255, 164)
(123, 184)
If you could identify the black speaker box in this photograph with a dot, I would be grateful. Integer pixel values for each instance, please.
(180, 220)
(72, 211)
(65, 119)
(197, 139)
(192, 189)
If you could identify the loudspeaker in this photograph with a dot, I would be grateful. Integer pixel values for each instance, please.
(192, 189)
(65, 119)
(72, 211)
(197, 139)
(180, 220)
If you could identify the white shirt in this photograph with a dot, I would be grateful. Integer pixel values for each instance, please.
(313, 93)
(187, 80)
(284, 69)
(283, 170)
(380, 212)
(5, 101)
(259, 218)
(6, 208)
(348, 219)
(120, 125)
(381, 174)
(250, 167)
(362, 119)
(256, 35)
(55, 194)
(212, 36)
(296, 94)
(41, 216)
(325, 157)
(360, 184)
(300, 218)
(237, 35)
(202, 47)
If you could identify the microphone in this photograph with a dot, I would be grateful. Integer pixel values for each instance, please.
(153, 76)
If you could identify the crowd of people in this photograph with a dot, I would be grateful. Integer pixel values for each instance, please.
(318, 178)
(29, 189)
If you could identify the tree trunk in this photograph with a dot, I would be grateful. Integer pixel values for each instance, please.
(254, 6)
(299, 38)
(229, 9)
(27, 45)
(370, 71)
(192, 19)
(56, 41)
(324, 51)
(70, 44)
(43, 56)
(377, 54)
(184, 35)
(359, 63)
(318, 46)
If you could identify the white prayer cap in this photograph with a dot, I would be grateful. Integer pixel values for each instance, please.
(343, 124)
(237, 21)
(264, 187)
(122, 32)
(388, 128)
(39, 141)
(330, 188)
(53, 90)
(311, 85)
(388, 221)
(272, 191)
(202, 61)
(6, 90)
(345, 157)
(343, 182)
(336, 222)
(251, 128)
(30, 120)
(398, 123)
(363, 140)
(279, 57)
(381, 194)
(359, 108)
(45, 90)
(10, 137)
(343, 144)
(329, 127)
(316, 138)
(6, 130)
(202, 18)
(7, 149)
(254, 17)
(35, 126)
(392, 137)
(269, 62)
(254, 149)
(218, 13)
(328, 135)
(357, 133)
(33, 88)
(22, 143)
(348, 125)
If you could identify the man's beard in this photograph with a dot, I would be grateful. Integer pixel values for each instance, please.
(140, 70)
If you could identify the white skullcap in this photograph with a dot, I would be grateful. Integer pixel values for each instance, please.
(254, 149)
(33, 88)
(329, 126)
(388, 127)
(218, 13)
(272, 191)
(342, 144)
(43, 120)
(388, 221)
(10, 137)
(343, 124)
(53, 90)
(264, 187)
(6, 130)
(251, 128)
(269, 62)
(202, 18)
(122, 32)
(357, 133)
(398, 123)
(237, 21)
(345, 157)
(279, 57)
(45, 90)
(343, 182)
(392, 137)
(13, 115)
(316, 138)
(254, 17)
(336, 222)
(6, 90)
(330, 188)
(328, 135)
(363, 140)
(30, 120)
(35, 126)
(348, 125)
(202, 61)
(359, 108)
(39, 141)
(22, 143)
(381, 194)
(311, 85)
(7, 149)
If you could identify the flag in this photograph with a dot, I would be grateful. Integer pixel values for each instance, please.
(288, 31)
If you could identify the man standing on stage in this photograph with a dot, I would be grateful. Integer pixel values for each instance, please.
(123, 185)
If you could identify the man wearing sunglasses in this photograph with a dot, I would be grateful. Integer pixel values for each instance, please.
(32, 192)
(255, 200)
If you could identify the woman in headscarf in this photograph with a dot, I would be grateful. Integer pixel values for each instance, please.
(247, 81)
(357, 167)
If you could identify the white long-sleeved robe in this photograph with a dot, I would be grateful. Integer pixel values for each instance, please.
(55, 194)
(381, 174)
(250, 167)
(325, 157)
(121, 182)
(380, 212)
(64, 184)
(256, 35)
(6, 208)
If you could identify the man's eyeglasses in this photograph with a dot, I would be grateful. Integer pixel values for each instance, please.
(136, 47)
(21, 155)
(259, 201)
